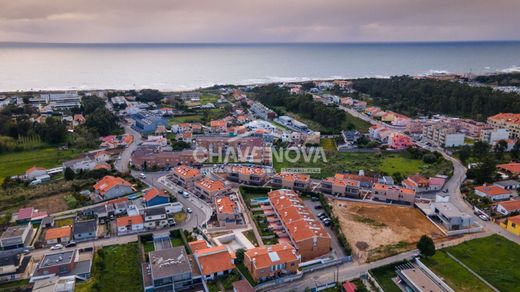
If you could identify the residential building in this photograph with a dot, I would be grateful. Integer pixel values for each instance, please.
(245, 149)
(341, 185)
(400, 141)
(299, 224)
(294, 181)
(55, 284)
(218, 126)
(415, 278)
(16, 237)
(152, 157)
(492, 135)
(63, 263)
(443, 135)
(242, 286)
(228, 211)
(208, 188)
(393, 194)
(493, 192)
(110, 187)
(512, 168)
(146, 122)
(129, 224)
(250, 175)
(155, 197)
(170, 270)
(262, 111)
(58, 235)
(512, 224)
(269, 262)
(450, 216)
(26, 215)
(509, 184)
(198, 245)
(85, 230)
(35, 172)
(421, 184)
(508, 121)
(155, 217)
(80, 164)
(214, 262)
(508, 207)
(185, 176)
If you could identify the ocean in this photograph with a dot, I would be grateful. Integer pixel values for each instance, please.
(189, 66)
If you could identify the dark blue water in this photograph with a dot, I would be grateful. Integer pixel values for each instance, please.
(187, 66)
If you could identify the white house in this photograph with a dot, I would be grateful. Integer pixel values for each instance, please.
(493, 193)
(155, 218)
(129, 224)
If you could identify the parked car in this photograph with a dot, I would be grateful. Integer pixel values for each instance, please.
(189, 210)
(327, 223)
(322, 214)
(483, 217)
(57, 246)
(180, 192)
(315, 199)
(324, 218)
(186, 194)
(142, 175)
(70, 244)
(318, 207)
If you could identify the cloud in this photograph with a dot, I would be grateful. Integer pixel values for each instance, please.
(257, 21)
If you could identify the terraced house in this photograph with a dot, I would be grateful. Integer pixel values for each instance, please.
(268, 262)
(250, 175)
(185, 176)
(341, 185)
(294, 181)
(208, 188)
(298, 225)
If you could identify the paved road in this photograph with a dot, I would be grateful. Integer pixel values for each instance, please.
(121, 165)
(201, 211)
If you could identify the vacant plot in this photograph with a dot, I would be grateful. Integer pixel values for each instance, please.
(389, 163)
(494, 258)
(17, 163)
(51, 204)
(115, 268)
(455, 275)
(376, 231)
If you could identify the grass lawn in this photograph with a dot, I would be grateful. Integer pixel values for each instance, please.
(206, 98)
(176, 241)
(185, 119)
(64, 222)
(17, 163)
(250, 235)
(148, 246)
(328, 144)
(358, 123)
(249, 193)
(384, 276)
(14, 285)
(494, 258)
(455, 275)
(384, 163)
(117, 270)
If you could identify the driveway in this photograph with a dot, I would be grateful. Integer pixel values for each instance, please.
(121, 165)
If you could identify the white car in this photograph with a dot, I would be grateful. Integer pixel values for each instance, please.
(142, 175)
(57, 246)
(189, 210)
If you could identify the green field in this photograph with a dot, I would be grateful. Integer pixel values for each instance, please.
(455, 275)
(494, 258)
(17, 163)
(118, 270)
(387, 163)
(213, 114)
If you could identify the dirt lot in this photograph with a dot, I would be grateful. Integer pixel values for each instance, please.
(376, 231)
(52, 204)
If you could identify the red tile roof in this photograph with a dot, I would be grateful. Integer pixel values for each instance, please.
(109, 182)
(492, 190)
(225, 205)
(510, 206)
(186, 171)
(285, 253)
(129, 220)
(512, 167)
(211, 185)
(197, 245)
(152, 193)
(58, 232)
(214, 259)
(34, 168)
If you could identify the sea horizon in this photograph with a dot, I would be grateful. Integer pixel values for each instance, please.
(30, 66)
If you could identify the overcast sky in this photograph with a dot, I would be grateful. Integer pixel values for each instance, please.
(179, 21)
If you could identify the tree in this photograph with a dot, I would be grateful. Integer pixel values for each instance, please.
(480, 149)
(69, 174)
(464, 153)
(500, 148)
(426, 246)
(91, 103)
(429, 158)
(240, 255)
(103, 120)
(485, 170)
(515, 152)
(149, 95)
